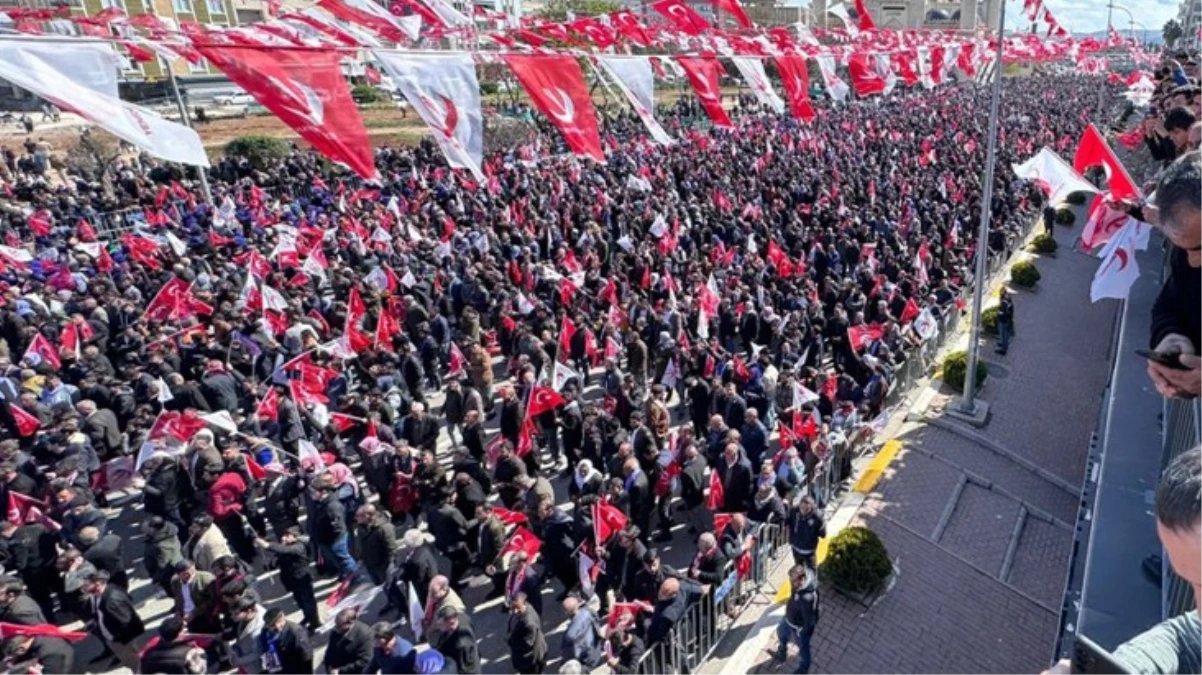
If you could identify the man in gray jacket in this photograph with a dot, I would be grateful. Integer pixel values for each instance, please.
(581, 641)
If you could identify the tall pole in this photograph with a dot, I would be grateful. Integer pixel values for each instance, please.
(968, 404)
(1102, 89)
(183, 115)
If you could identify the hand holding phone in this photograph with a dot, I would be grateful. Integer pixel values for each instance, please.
(1168, 360)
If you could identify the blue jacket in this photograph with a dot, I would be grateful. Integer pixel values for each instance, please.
(580, 642)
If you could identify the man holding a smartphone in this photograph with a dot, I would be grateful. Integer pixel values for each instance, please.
(1176, 320)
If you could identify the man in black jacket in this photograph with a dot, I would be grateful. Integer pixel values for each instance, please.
(527, 645)
(171, 655)
(351, 643)
(449, 528)
(100, 426)
(330, 529)
(806, 527)
(418, 565)
(675, 597)
(17, 607)
(115, 620)
(31, 553)
(375, 542)
(1176, 322)
(638, 491)
(801, 617)
(296, 574)
(284, 646)
(458, 642)
(53, 655)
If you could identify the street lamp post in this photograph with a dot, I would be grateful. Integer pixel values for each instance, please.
(968, 404)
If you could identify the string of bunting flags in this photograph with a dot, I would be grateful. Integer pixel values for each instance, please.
(291, 63)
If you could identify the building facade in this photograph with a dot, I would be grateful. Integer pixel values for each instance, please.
(1189, 15)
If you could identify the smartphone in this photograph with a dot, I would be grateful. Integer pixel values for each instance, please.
(1091, 658)
(1167, 360)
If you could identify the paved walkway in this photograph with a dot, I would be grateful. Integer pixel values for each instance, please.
(979, 521)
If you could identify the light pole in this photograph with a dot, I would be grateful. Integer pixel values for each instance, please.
(1130, 17)
(968, 404)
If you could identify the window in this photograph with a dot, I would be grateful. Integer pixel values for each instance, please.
(216, 7)
(182, 6)
(110, 4)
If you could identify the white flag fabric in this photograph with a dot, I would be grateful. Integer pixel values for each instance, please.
(222, 420)
(925, 325)
(561, 375)
(88, 64)
(449, 15)
(409, 25)
(924, 67)
(635, 78)
(753, 73)
(584, 566)
(443, 89)
(1056, 176)
(840, 11)
(1119, 270)
(836, 87)
(802, 394)
(164, 395)
(416, 612)
(273, 299)
(142, 127)
(307, 450)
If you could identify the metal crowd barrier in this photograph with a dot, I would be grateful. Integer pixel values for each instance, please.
(695, 637)
(1182, 432)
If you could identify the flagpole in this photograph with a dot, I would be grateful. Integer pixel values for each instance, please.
(968, 405)
(187, 121)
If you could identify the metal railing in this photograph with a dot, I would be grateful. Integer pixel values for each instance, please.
(1182, 432)
(693, 639)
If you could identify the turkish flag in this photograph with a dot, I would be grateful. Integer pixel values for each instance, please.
(522, 539)
(721, 520)
(627, 23)
(1093, 150)
(85, 231)
(598, 33)
(716, 499)
(733, 8)
(370, 15)
(965, 61)
(509, 517)
(556, 86)
(866, 22)
(457, 362)
(402, 497)
(1104, 221)
(543, 399)
(910, 312)
(623, 616)
(174, 302)
(608, 520)
(868, 75)
(42, 351)
(26, 423)
(269, 407)
(19, 506)
(703, 73)
(8, 630)
(305, 89)
(682, 16)
(386, 329)
(795, 77)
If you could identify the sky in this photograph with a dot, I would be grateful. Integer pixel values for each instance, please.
(1087, 16)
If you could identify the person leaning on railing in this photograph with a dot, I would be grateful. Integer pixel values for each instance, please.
(1174, 645)
(1176, 321)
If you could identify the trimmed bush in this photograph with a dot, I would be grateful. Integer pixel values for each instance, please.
(1042, 243)
(365, 93)
(258, 149)
(955, 366)
(489, 88)
(989, 321)
(1076, 198)
(1024, 274)
(1066, 217)
(857, 561)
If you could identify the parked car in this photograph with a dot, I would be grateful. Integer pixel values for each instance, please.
(233, 99)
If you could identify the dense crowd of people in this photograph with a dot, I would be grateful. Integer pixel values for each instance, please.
(410, 386)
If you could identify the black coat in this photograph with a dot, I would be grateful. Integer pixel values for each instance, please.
(106, 555)
(101, 428)
(119, 615)
(376, 542)
(418, 569)
(22, 611)
(460, 648)
(693, 482)
(293, 562)
(449, 528)
(642, 502)
(169, 658)
(163, 492)
(221, 389)
(331, 520)
(350, 652)
(711, 569)
(294, 649)
(527, 645)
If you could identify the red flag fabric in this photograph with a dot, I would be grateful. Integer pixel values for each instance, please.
(85, 231)
(20, 506)
(509, 517)
(457, 363)
(623, 615)
(74, 335)
(743, 564)
(556, 86)
(269, 407)
(403, 496)
(26, 423)
(387, 328)
(367, 14)
(8, 630)
(627, 23)
(598, 33)
(682, 16)
(862, 335)
(39, 222)
(733, 8)
(175, 302)
(721, 520)
(42, 351)
(257, 472)
(703, 73)
(716, 499)
(306, 90)
(543, 399)
(795, 77)
(1092, 150)
(1104, 221)
(868, 76)
(866, 22)
(522, 539)
(567, 330)
(608, 520)
(910, 312)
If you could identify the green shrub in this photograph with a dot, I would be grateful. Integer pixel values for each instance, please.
(1076, 198)
(857, 561)
(365, 93)
(1044, 244)
(1024, 274)
(489, 88)
(956, 365)
(1066, 217)
(258, 149)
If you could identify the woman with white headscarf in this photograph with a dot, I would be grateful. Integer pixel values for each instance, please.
(585, 481)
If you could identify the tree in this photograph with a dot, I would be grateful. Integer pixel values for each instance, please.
(1172, 32)
(557, 10)
(94, 155)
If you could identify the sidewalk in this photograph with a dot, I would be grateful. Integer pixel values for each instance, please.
(978, 521)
